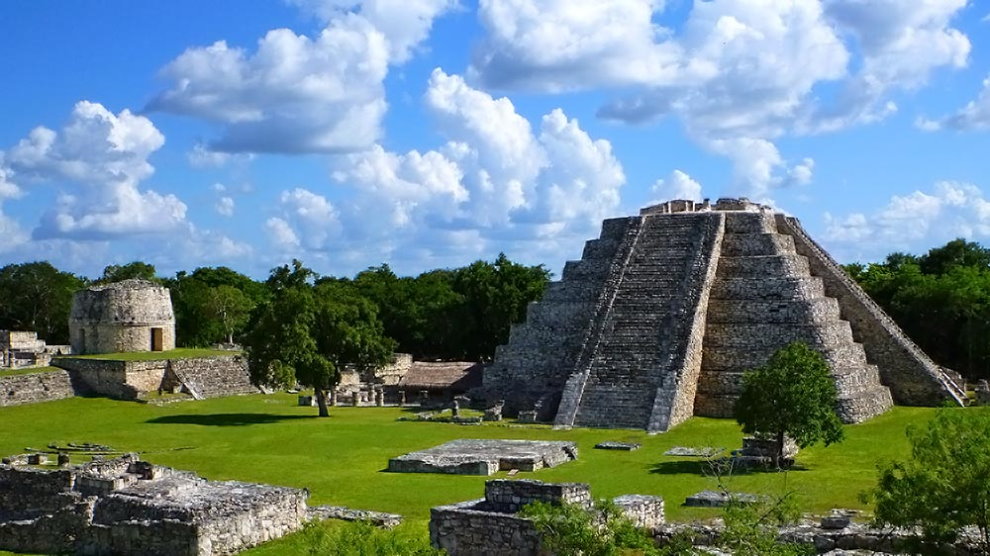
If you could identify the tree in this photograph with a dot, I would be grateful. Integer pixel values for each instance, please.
(792, 395)
(308, 334)
(945, 484)
(136, 269)
(230, 307)
(37, 297)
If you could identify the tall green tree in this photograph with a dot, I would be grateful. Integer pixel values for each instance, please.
(308, 334)
(945, 484)
(37, 297)
(207, 309)
(792, 395)
(137, 269)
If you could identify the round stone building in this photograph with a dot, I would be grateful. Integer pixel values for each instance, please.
(132, 315)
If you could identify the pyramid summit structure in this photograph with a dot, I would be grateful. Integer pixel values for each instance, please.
(666, 310)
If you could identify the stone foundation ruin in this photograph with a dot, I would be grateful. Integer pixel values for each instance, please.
(128, 506)
(491, 525)
(131, 315)
(485, 457)
(666, 310)
(20, 349)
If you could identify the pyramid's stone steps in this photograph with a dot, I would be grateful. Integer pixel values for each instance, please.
(764, 298)
(626, 367)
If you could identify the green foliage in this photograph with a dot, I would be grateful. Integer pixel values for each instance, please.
(600, 531)
(360, 538)
(37, 297)
(308, 334)
(453, 314)
(213, 305)
(137, 269)
(940, 299)
(945, 484)
(793, 395)
(753, 528)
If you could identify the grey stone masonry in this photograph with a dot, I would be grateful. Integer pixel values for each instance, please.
(751, 317)
(491, 525)
(485, 457)
(127, 506)
(667, 310)
(35, 387)
(131, 315)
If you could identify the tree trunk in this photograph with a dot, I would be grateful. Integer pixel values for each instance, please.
(321, 401)
(780, 449)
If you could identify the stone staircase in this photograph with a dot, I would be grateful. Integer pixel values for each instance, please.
(548, 344)
(626, 358)
(750, 316)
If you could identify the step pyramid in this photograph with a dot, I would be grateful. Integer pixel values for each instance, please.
(666, 310)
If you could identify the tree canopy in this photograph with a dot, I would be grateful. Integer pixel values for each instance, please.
(792, 395)
(940, 299)
(945, 484)
(309, 334)
(37, 297)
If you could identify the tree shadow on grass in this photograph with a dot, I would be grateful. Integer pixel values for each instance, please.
(704, 467)
(227, 419)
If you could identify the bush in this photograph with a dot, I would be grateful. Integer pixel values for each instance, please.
(945, 484)
(599, 531)
(360, 538)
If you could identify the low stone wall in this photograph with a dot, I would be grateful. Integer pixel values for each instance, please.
(45, 386)
(212, 377)
(203, 377)
(467, 530)
(510, 496)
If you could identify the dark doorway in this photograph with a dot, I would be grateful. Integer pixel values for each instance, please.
(156, 339)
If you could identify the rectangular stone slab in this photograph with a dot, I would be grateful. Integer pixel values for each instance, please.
(485, 457)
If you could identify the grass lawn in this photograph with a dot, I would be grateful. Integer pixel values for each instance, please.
(178, 353)
(27, 371)
(341, 459)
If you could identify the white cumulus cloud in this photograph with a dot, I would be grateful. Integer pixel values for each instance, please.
(105, 156)
(678, 185)
(975, 116)
(912, 223)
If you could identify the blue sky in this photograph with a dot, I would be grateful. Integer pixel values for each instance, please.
(431, 133)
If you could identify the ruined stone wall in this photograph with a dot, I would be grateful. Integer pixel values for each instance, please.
(509, 496)
(120, 317)
(352, 380)
(45, 386)
(912, 377)
(466, 530)
(212, 377)
(125, 506)
(121, 380)
(19, 339)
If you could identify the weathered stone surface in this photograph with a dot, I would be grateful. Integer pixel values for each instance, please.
(691, 451)
(718, 499)
(131, 315)
(666, 310)
(982, 392)
(378, 519)
(485, 457)
(490, 526)
(35, 387)
(622, 446)
(126, 506)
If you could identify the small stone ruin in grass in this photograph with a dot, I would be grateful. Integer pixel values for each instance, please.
(485, 457)
(760, 452)
(621, 446)
(718, 499)
(492, 525)
(693, 451)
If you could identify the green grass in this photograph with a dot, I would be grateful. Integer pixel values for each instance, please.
(27, 371)
(178, 353)
(341, 459)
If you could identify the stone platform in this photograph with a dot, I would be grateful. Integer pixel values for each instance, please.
(485, 457)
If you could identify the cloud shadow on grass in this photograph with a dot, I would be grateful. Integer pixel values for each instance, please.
(227, 419)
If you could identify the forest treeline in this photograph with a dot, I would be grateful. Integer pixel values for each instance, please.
(459, 313)
(941, 299)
